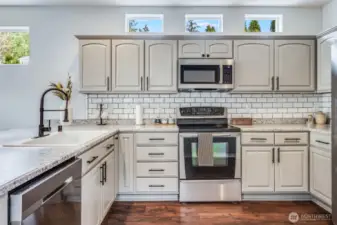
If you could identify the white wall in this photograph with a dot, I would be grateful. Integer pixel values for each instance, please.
(329, 15)
(54, 49)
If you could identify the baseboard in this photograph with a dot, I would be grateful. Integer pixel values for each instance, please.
(151, 198)
(321, 204)
(277, 197)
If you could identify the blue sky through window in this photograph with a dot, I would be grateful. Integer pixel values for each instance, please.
(154, 25)
(202, 23)
(264, 25)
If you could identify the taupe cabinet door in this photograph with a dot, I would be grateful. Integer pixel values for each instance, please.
(127, 65)
(192, 49)
(254, 65)
(219, 49)
(257, 169)
(126, 163)
(295, 65)
(291, 169)
(95, 65)
(324, 62)
(161, 65)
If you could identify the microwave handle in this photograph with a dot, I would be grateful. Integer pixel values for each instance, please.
(221, 74)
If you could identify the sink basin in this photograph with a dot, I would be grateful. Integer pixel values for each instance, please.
(68, 138)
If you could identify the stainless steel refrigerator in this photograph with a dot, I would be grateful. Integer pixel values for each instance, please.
(334, 130)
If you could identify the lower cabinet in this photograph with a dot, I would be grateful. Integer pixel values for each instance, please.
(126, 164)
(274, 169)
(98, 191)
(257, 169)
(320, 174)
(3, 209)
(291, 169)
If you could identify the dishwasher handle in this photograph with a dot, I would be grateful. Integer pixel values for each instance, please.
(27, 199)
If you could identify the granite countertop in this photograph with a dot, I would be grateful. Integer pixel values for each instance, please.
(325, 129)
(30, 162)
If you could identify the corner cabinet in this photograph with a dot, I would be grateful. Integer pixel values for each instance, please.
(295, 65)
(126, 163)
(95, 67)
(127, 65)
(161, 65)
(324, 62)
(254, 73)
(205, 49)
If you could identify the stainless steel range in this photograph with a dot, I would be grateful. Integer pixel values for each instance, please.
(210, 156)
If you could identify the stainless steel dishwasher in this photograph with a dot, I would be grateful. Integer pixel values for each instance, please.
(52, 199)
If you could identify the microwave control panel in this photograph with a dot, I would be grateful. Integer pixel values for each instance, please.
(227, 74)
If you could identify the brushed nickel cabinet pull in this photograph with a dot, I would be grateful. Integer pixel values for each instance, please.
(277, 83)
(93, 159)
(322, 142)
(272, 83)
(156, 185)
(156, 139)
(154, 153)
(108, 147)
(141, 83)
(258, 139)
(147, 83)
(101, 175)
(278, 155)
(273, 156)
(156, 170)
(108, 83)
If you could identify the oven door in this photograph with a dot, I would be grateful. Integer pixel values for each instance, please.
(200, 73)
(226, 155)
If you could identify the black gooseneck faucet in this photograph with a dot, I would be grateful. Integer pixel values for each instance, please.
(42, 129)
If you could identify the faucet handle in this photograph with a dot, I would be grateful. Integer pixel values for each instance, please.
(49, 127)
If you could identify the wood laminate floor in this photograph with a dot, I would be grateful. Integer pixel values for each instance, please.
(174, 213)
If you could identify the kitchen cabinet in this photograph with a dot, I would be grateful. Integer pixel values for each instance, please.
(205, 49)
(116, 164)
(257, 169)
(254, 73)
(161, 65)
(3, 209)
(95, 67)
(126, 163)
(295, 65)
(127, 65)
(324, 62)
(291, 169)
(320, 174)
(108, 188)
(91, 197)
(98, 191)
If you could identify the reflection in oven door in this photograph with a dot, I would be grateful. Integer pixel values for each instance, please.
(226, 158)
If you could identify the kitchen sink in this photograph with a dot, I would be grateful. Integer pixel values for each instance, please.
(68, 138)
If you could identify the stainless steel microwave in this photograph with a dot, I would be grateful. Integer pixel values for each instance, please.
(205, 74)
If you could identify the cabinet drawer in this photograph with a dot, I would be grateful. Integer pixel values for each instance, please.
(157, 153)
(157, 139)
(91, 157)
(257, 138)
(291, 138)
(158, 185)
(321, 140)
(158, 169)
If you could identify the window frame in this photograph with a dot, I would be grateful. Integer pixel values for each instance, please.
(204, 17)
(13, 29)
(129, 17)
(277, 17)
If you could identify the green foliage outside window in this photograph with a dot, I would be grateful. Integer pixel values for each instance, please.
(133, 27)
(13, 46)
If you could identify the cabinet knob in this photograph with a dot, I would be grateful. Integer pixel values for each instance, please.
(203, 55)
(208, 55)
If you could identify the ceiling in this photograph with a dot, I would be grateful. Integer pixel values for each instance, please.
(304, 3)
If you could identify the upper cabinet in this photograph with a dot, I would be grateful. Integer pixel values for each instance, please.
(254, 73)
(95, 65)
(295, 65)
(161, 65)
(205, 49)
(324, 62)
(127, 65)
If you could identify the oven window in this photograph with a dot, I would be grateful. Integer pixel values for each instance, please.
(220, 154)
(195, 74)
(224, 156)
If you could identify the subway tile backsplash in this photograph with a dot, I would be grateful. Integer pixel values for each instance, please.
(122, 106)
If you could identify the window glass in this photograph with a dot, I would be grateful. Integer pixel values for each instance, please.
(263, 23)
(203, 23)
(14, 45)
(144, 23)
